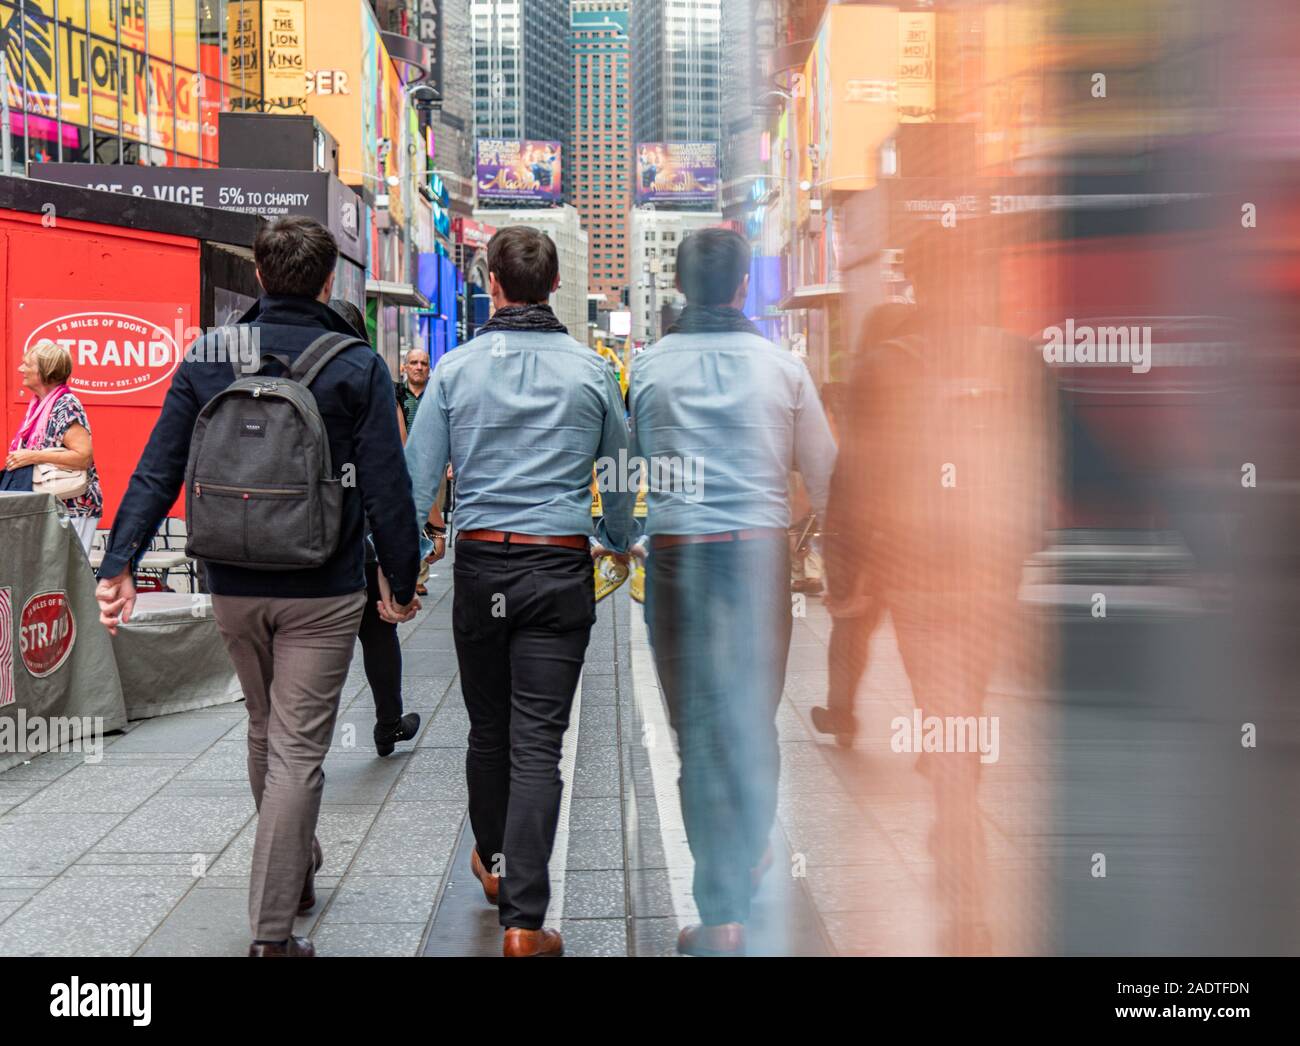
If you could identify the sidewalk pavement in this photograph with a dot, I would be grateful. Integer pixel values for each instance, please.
(147, 852)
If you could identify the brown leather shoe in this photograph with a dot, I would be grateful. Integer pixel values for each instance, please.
(491, 883)
(293, 948)
(308, 899)
(725, 940)
(532, 944)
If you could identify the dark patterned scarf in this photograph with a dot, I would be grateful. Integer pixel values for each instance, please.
(538, 318)
(712, 319)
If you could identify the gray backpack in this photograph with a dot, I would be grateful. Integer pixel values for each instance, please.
(260, 489)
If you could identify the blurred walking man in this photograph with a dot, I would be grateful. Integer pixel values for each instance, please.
(522, 411)
(738, 414)
(289, 632)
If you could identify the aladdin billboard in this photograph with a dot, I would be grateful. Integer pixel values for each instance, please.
(682, 173)
(511, 170)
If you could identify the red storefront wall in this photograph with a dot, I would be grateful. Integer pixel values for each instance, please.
(124, 299)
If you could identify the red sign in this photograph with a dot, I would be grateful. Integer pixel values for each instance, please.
(472, 233)
(46, 632)
(122, 353)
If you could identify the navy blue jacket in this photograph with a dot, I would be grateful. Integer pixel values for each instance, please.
(354, 394)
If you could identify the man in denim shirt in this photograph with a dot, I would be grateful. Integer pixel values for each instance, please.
(722, 417)
(522, 412)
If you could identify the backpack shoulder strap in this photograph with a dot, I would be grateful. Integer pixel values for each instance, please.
(313, 358)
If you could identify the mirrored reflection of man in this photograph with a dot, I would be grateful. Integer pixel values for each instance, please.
(740, 414)
(522, 412)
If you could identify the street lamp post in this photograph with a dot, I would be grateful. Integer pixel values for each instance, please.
(6, 139)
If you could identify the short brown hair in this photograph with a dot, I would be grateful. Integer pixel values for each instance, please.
(711, 263)
(295, 256)
(525, 262)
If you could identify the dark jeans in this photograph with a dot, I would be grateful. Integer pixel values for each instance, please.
(381, 651)
(521, 618)
(719, 620)
(847, 657)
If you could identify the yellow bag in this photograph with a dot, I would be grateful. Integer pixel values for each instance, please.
(638, 580)
(610, 573)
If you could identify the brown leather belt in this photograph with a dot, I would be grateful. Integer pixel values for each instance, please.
(506, 537)
(669, 540)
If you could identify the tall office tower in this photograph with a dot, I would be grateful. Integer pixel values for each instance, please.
(522, 86)
(676, 71)
(454, 130)
(601, 170)
(443, 25)
(748, 38)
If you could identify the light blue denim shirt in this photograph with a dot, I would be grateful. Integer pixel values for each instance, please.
(522, 417)
(722, 419)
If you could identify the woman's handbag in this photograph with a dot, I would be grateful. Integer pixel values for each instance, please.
(64, 484)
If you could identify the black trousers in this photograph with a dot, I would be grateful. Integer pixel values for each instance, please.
(381, 653)
(847, 657)
(719, 620)
(521, 617)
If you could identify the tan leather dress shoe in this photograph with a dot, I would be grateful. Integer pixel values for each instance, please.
(294, 947)
(532, 944)
(491, 883)
(725, 940)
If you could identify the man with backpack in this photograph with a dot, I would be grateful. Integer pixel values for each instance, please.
(281, 468)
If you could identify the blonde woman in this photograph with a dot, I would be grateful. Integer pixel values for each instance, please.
(56, 432)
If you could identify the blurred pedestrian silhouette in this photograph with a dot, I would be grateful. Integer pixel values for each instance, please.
(935, 506)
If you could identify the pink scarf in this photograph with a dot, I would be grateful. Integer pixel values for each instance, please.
(37, 421)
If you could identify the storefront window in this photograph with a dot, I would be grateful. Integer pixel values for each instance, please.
(119, 81)
(162, 107)
(76, 144)
(12, 56)
(108, 148)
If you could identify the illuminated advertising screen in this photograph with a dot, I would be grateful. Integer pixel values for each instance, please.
(677, 173)
(511, 170)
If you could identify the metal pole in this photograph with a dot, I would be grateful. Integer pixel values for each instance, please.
(652, 326)
(6, 138)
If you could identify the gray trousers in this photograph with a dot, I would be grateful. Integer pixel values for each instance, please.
(292, 657)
